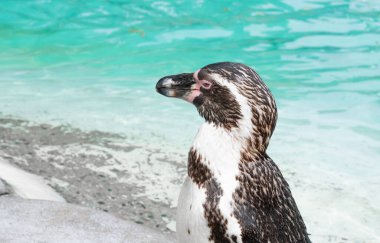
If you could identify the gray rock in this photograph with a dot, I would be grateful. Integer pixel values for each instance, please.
(3, 188)
(24, 220)
(72, 161)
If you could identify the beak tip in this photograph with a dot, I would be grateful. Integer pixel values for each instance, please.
(161, 85)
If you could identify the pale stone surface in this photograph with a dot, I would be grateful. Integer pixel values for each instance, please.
(3, 188)
(45, 221)
(110, 172)
(25, 184)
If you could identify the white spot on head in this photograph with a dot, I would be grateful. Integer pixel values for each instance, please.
(167, 83)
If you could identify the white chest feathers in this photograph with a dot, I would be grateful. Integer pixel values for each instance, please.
(201, 204)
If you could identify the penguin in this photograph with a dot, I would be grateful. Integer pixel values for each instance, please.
(234, 192)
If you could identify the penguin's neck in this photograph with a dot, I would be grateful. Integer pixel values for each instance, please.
(222, 150)
(219, 150)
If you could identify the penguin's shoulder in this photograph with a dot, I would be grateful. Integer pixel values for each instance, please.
(264, 205)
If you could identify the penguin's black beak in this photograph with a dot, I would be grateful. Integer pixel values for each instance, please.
(179, 86)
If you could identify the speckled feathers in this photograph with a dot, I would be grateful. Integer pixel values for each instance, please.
(234, 191)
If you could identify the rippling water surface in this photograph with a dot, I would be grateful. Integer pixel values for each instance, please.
(94, 64)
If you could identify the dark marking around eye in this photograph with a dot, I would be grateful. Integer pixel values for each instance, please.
(220, 107)
(202, 74)
(198, 101)
(203, 90)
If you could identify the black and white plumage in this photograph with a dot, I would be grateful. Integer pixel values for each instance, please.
(234, 192)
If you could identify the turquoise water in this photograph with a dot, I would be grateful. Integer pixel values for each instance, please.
(94, 64)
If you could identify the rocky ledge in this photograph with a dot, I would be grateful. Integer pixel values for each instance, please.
(24, 220)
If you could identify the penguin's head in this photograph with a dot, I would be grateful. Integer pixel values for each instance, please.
(229, 95)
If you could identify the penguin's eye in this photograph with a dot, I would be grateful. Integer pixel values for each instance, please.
(206, 84)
